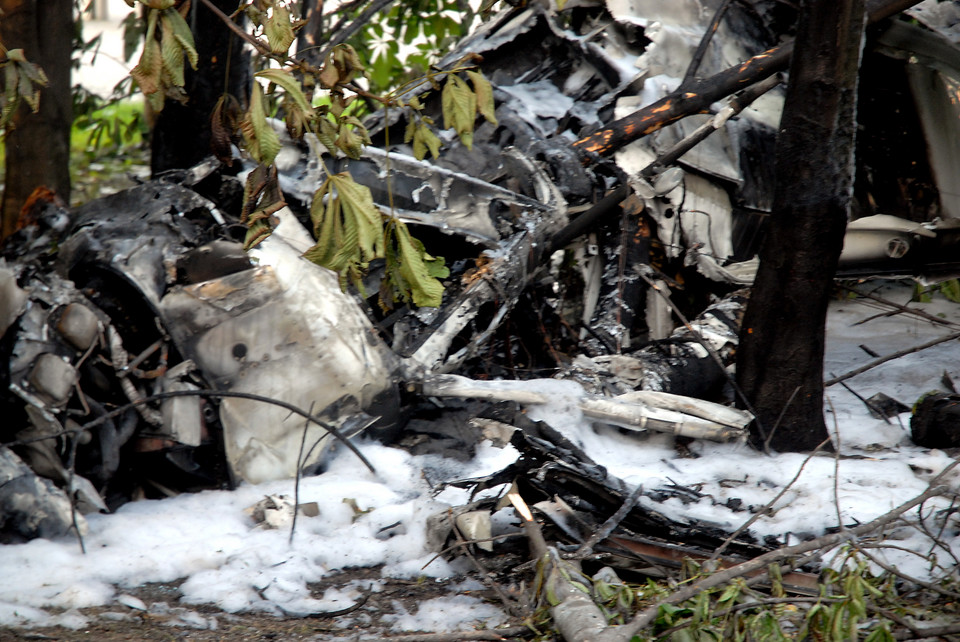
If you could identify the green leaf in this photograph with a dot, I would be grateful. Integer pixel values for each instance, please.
(881, 633)
(484, 92)
(951, 290)
(358, 205)
(424, 139)
(349, 228)
(262, 198)
(279, 30)
(147, 72)
(32, 72)
(324, 212)
(415, 273)
(289, 84)
(262, 141)
(181, 32)
(701, 609)
(459, 108)
(10, 99)
(171, 51)
(132, 33)
(327, 134)
(349, 142)
(27, 92)
(730, 594)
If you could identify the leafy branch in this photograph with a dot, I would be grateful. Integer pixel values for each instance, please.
(350, 228)
(21, 81)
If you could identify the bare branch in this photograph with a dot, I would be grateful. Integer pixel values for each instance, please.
(203, 393)
(646, 617)
(891, 357)
(700, 95)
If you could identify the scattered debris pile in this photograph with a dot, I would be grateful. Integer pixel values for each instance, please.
(144, 353)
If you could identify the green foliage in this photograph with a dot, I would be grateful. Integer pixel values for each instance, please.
(351, 231)
(411, 271)
(459, 109)
(107, 126)
(21, 81)
(159, 73)
(348, 227)
(263, 143)
(949, 289)
(425, 29)
(261, 200)
(852, 605)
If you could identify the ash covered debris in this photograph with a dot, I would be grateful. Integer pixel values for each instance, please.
(552, 257)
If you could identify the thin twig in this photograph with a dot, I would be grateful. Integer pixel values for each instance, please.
(763, 511)
(607, 527)
(902, 308)
(647, 616)
(71, 495)
(701, 51)
(201, 393)
(836, 465)
(866, 402)
(375, 7)
(510, 605)
(776, 424)
(909, 578)
(468, 542)
(296, 479)
(491, 634)
(891, 357)
(256, 43)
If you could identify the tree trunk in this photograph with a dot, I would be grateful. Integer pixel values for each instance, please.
(38, 145)
(311, 37)
(780, 363)
(181, 133)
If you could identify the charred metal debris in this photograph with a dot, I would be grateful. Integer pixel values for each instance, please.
(139, 340)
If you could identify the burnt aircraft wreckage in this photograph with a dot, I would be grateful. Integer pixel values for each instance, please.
(148, 295)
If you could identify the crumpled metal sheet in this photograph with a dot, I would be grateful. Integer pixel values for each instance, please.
(281, 328)
(284, 330)
(31, 506)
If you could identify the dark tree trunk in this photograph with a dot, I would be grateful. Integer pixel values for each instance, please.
(310, 38)
(38, 145)
(181, 133)
(780, 363)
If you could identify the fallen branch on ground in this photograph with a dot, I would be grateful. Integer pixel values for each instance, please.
(491, 634)
(647, 616)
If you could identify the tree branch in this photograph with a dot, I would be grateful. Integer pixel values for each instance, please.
(646, 617)
(891, 357)
(698, 97)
